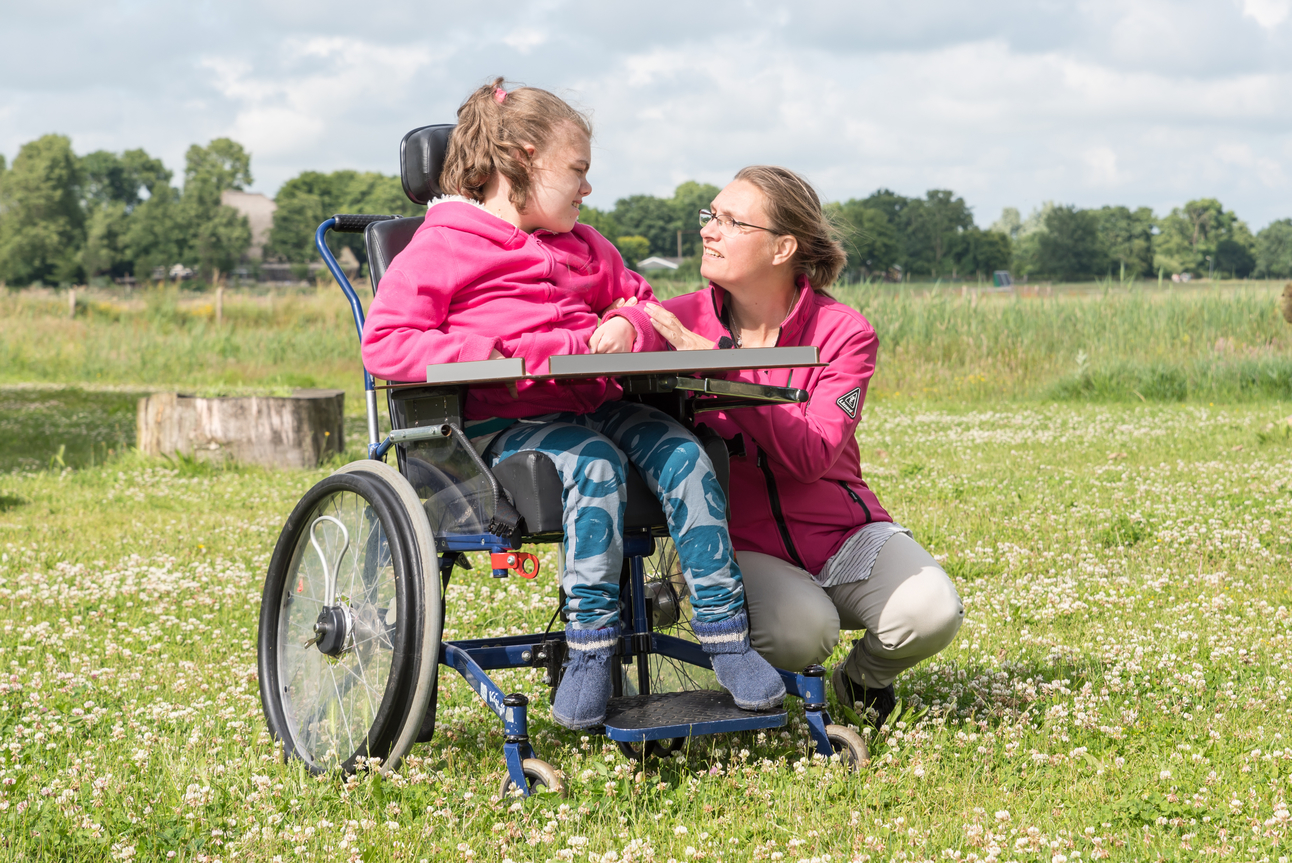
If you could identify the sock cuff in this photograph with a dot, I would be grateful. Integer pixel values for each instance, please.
(724, 636)
(592, 640)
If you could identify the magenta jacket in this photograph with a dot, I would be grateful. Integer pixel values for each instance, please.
(797, 493)
(470, 282)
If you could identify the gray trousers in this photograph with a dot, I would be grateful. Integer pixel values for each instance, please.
(908, 607)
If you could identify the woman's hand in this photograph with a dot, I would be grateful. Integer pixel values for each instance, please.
(615, 336)
(668, 326)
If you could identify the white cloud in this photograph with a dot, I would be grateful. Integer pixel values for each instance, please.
(525, 39)
(1268, 171)
(1268, 13)
(307, 94)
(1101, 166)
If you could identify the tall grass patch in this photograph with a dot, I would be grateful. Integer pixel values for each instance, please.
(1207, 344)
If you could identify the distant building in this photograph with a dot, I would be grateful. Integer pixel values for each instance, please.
(259, 210)
(656, 263)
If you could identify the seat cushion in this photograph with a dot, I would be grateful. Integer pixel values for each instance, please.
(536, 489)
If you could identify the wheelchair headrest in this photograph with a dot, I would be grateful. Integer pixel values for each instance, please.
(421, 157)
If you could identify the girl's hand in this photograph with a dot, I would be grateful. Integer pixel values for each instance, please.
(618, 304)
(496, 354)
(615, 336)
(668, 326)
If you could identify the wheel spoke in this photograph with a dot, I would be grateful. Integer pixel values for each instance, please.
(345, 717)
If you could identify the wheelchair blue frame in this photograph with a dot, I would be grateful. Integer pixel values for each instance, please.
(473, 658)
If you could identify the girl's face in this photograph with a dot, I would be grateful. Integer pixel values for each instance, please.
(746, 254)
(559, 183)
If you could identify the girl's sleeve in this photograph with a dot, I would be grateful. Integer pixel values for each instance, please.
(402, 334)
(808, 438)
(623, 283)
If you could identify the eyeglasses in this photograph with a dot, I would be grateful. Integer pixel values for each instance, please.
(728, 225)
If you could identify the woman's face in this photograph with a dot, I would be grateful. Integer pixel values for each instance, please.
(559, 183)
(746, 254)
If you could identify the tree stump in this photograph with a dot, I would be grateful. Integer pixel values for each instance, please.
(299, 431)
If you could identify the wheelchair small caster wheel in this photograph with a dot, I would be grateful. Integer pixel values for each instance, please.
(849, 746)
(657, 748)
(539, 774)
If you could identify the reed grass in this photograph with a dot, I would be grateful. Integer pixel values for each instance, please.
(1207, 344)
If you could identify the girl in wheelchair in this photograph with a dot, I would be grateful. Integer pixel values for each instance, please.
(502, 268)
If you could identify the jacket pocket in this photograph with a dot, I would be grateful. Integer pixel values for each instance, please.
(856, 498)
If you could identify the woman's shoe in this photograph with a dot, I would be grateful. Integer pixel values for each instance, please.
(750, 679)
(585, 689)
(873, 704)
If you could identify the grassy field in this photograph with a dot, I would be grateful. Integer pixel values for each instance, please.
(1119, 689)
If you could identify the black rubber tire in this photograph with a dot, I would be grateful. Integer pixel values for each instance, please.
(849, 746)
(390, 542)
(539, 774)
(654, 748)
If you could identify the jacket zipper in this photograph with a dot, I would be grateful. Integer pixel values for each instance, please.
(856, 497)
(775, 499)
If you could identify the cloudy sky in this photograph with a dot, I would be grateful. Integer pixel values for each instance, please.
(1007, 102)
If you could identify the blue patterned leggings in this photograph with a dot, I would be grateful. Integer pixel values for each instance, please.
(591, 453)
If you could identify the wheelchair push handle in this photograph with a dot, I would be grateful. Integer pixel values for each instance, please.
(354, 223)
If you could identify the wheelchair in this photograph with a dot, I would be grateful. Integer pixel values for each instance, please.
(351, 622)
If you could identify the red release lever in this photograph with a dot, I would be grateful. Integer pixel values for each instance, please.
(525, 564)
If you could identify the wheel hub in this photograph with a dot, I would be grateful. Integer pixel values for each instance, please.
(332, 629)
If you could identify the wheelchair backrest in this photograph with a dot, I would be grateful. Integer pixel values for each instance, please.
(384, 240)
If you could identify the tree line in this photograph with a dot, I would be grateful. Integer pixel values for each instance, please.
(891, 236)
(65, 219)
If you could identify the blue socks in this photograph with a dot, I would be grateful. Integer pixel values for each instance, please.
(585, 689)
(750, 679)
(581, 698)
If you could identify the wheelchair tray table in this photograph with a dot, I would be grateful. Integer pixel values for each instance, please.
(574, 366)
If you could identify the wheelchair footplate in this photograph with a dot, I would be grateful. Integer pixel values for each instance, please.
(670, 715)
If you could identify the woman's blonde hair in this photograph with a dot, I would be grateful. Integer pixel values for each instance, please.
(494, 126)
(793, 208)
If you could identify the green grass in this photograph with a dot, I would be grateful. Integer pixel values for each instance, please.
(1125, 570)
(1118, 691)
(46, 427)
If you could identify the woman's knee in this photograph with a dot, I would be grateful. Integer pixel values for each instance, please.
(792, 623)
(809, 641)
(922, 616)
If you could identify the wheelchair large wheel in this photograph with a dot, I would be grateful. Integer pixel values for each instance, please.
(350, 622)
(670, 605)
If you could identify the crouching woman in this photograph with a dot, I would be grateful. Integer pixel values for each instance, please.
(817, 550)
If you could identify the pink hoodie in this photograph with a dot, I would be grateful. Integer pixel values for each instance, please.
(797, 493)
(470, 282)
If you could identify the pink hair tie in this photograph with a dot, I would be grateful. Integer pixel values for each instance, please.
(499, 94)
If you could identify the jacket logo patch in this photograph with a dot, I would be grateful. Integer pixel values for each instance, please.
(849, 402)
